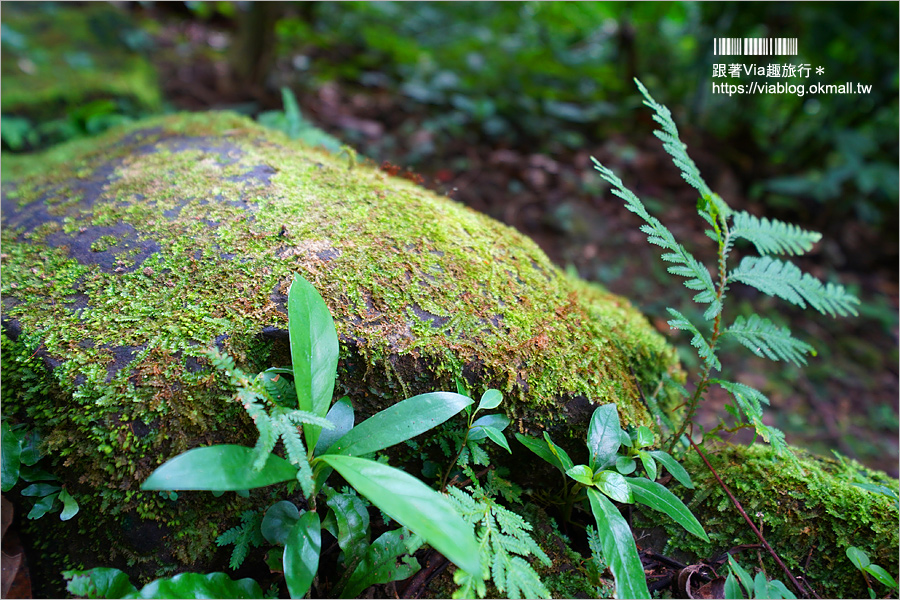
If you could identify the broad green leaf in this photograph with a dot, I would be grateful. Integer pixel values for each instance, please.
(497, 436)
(399, 423)
(42, 506)
(859, 558)
(301, 554)
(733, 589)
(614, 485)
(98, 583)
(659, 498)
(649, 464)
(70, 506)
(881, 575)
(30, 443)
(41, 489)
(278, 522)
(225, 467)
(10, 453)
(381, 564)
(643, 437)
(743, 575)
(341, 414)
(603, 436)
(497, 421)
(674, 468)
(490, 399)
(561, 455)
(625, 465)
(414, 505)
(619, 550)
(582, 474)
(31, 474)
(761, 586)
(779, 590)
(314, 352)
(199, 585)
(542, 449)
(352, 520)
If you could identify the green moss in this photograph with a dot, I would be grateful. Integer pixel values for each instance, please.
(809, 514)
(168, 236)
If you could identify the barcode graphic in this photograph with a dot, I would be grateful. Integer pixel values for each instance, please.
(754, 46)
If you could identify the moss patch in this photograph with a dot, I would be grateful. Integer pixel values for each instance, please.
(809, 515)
(126, 257)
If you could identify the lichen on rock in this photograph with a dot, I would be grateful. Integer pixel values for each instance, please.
(126, 257)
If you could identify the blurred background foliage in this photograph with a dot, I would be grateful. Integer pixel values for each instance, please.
(501, 104)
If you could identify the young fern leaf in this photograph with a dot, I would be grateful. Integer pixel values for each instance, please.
(771, 236)
(502, 535)
(698, 341)
(698, 277)
(677, 149)
(786, 281)
(765, 339)
(750, 401)
(243, 536)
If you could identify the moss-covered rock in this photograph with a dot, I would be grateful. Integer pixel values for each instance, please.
(71, 69)
(127, 256)
(809, 511)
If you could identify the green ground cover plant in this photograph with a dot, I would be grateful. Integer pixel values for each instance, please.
(598, 482)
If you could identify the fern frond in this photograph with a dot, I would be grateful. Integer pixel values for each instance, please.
(524, 581)
(265, 443)
(698, 277)
(750, 401)
(771, 236)
(786, 281)
(698, 341)
(504, 540)
(299, 417)
(764, 338)
(243, 536)
(280, 389)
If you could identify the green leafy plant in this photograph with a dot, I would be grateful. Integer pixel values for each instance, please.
(20, 455)
(113, 583)
(319, 438)
(861, 561)
(740, 581)
(772, 276)
(604, 479)
(291, 121)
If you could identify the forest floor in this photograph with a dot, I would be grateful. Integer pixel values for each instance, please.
(845, 400)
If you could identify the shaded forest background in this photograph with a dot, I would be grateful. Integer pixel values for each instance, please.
(501, 105)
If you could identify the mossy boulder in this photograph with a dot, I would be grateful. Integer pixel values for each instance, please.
(809, 510)
(69, 70)
(127, 256)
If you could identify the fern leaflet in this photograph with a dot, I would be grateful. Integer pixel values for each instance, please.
(765, 339)
(786, 281)
(773, 237)
(243, 536)
(504, 540)
(698, 277)
(750, 401)
(698, 341)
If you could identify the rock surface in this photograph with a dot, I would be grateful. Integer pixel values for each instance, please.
(126, 257)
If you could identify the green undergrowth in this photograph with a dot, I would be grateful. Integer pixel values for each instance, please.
(164, 237)
(810, 513)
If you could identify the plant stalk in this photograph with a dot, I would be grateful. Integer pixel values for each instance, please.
(796, 583)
